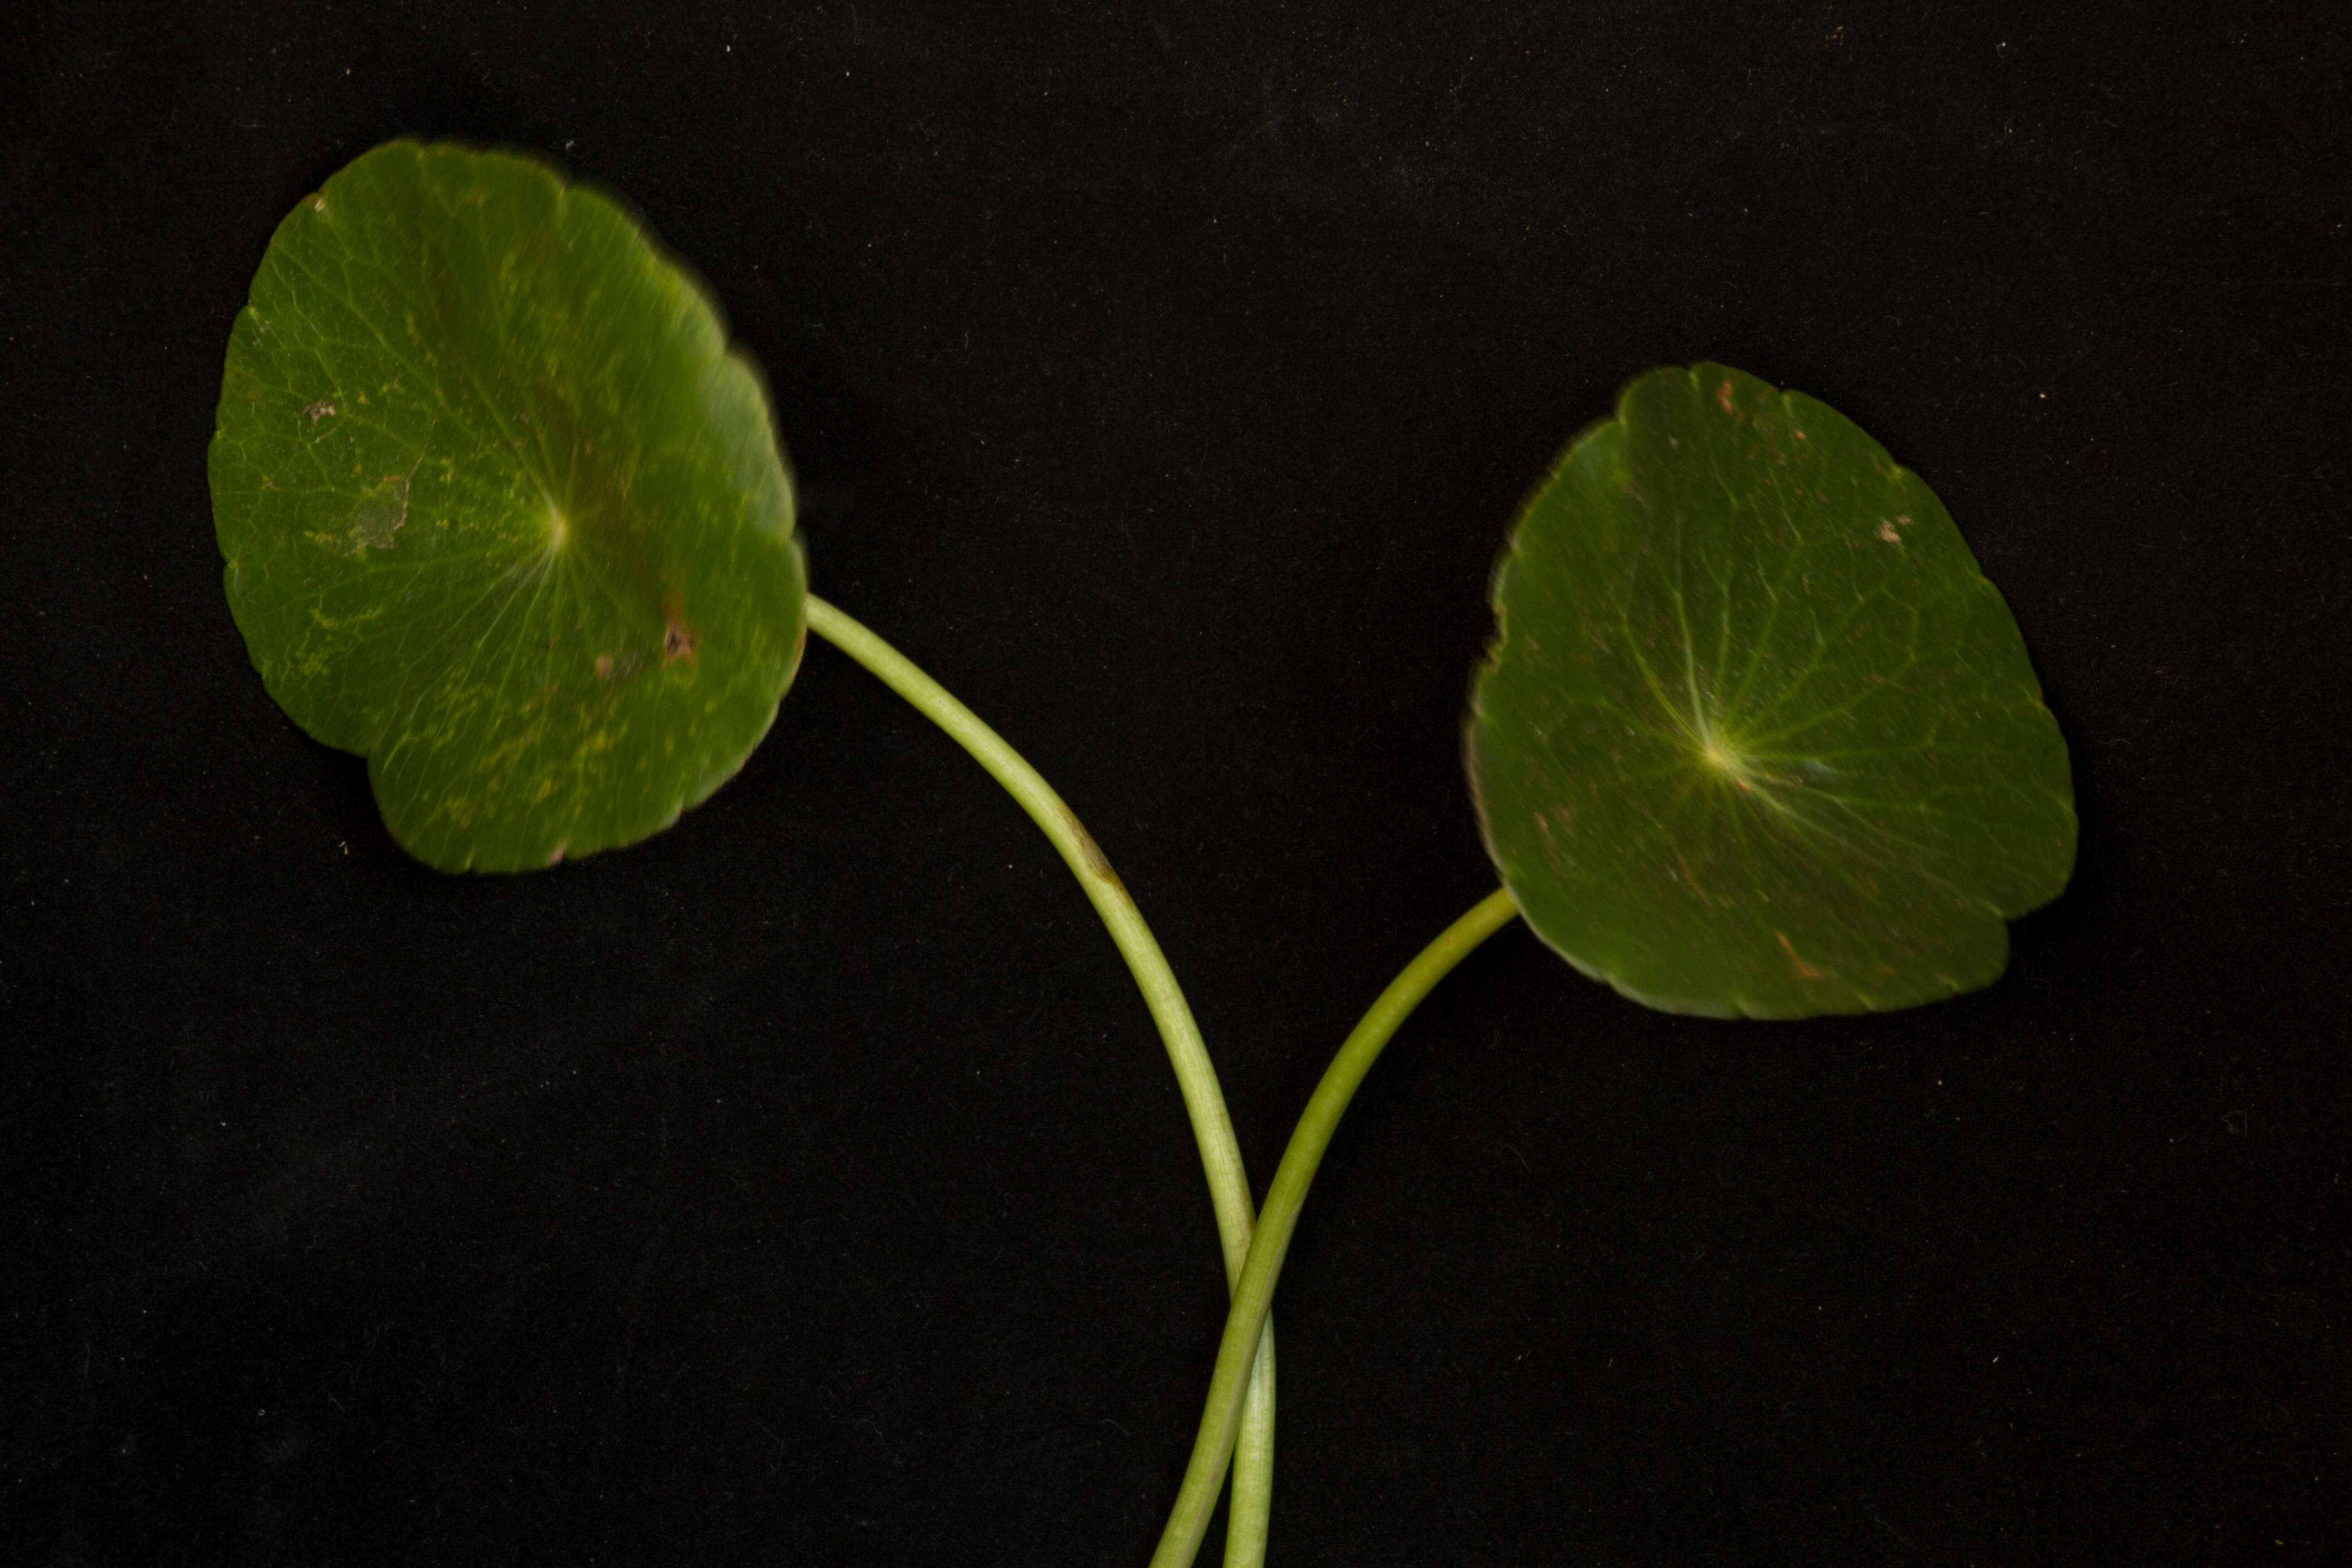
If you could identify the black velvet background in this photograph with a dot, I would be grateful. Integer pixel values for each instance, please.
(807, 1185)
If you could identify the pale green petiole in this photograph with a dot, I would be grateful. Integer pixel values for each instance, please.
(1252, 1297)
(1212, 1129)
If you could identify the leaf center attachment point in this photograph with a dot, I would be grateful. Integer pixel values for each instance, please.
(1719, 753)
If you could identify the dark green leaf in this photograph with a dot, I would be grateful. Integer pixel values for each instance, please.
(1757, 736)
(500, 510)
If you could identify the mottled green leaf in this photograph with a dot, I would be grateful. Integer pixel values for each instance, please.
(501, 512)
(1756, 735)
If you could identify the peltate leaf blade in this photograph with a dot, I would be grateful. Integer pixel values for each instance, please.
(1756, 736)
(500, 511)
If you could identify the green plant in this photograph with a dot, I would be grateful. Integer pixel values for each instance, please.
(1755, 737)
(503, 513)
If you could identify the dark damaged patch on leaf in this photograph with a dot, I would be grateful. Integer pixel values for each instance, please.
(380, 515)
(677, 637)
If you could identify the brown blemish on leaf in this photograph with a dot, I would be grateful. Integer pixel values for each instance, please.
(1723, 395)
(319, 410)
(1690, 880)
(1804, 971)
(604, 667)
(677, 637)
(1886, 531)
(557, 857)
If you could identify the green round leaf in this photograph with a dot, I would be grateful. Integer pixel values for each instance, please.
(1756, 736)
(500, 510)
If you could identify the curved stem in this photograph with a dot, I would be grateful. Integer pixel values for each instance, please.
(1212, 1129)
(1279, 1219)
